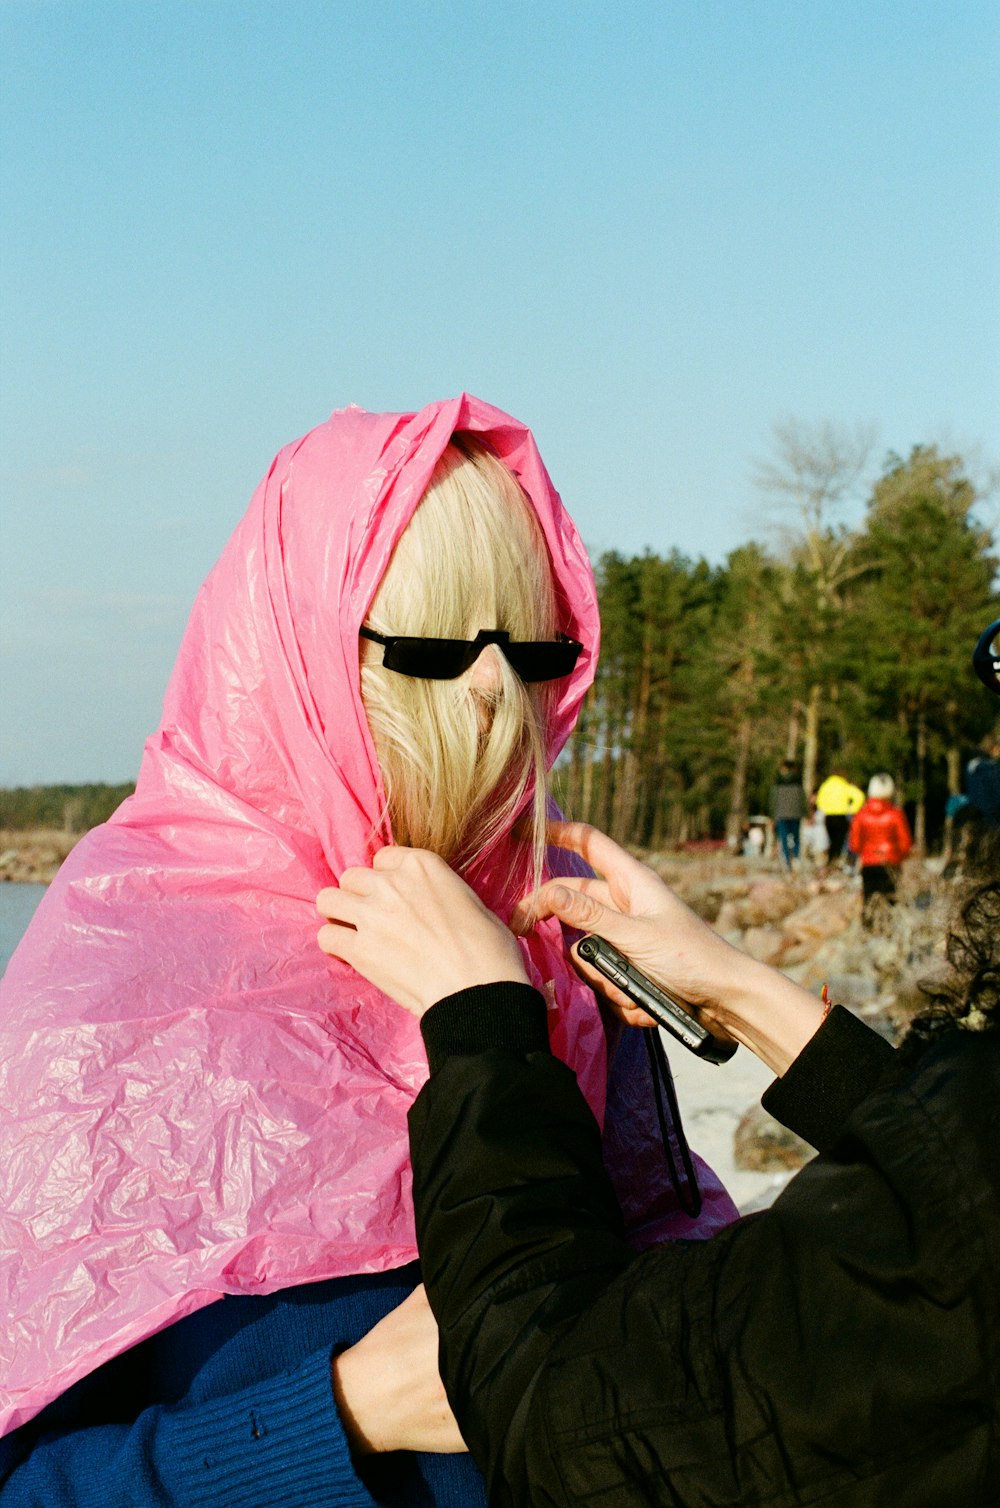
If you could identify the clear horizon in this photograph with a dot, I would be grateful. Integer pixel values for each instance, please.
(649, 233)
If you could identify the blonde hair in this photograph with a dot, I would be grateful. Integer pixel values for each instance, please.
(458, 757)
(881, 787)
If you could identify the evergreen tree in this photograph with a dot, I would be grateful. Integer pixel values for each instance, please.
(928, 596)
(855, 647)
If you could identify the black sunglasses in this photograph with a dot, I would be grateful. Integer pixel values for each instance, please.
(444, 659)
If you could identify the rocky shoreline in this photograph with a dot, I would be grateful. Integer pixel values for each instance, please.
(33, 857)
(808, 925)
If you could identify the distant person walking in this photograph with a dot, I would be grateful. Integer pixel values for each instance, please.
(838, 799)
(788, 807)
(815, 838)
(982, 783)
(880, 836)
(977, 812)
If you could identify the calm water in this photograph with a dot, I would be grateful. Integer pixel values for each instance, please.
(17, 907)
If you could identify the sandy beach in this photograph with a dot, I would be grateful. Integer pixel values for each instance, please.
(713, 1098)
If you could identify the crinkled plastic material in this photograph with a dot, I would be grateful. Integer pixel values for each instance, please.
(194, 1100)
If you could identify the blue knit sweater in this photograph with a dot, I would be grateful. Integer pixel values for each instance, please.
(231, 1407)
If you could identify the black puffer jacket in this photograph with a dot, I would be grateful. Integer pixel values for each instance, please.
(841, 1348)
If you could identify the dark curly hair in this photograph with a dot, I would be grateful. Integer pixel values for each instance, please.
(968, 997)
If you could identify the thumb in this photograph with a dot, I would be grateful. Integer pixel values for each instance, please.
(578, 909)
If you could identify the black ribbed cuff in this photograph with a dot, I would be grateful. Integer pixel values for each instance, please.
(834, 1072)
(509, 1015)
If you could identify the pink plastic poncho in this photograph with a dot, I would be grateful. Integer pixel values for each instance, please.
(194, 1100)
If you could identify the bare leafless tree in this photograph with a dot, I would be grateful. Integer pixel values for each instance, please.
(815, 469)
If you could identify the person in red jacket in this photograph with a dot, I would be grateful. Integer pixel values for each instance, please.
(880, 837)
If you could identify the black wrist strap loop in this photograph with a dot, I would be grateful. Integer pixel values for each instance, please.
(686, 1188)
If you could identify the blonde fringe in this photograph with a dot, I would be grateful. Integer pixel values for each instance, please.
(458, 757)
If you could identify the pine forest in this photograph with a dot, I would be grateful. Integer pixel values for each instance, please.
(840, 648)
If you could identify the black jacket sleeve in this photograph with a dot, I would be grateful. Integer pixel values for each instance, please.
(831, 1347)
(836, 1070)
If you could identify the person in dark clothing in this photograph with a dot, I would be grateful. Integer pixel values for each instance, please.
(841, 1347)
(788, 807)
(982, 783)
(981, 815)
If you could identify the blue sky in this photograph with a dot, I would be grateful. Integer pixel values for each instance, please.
(649, 230)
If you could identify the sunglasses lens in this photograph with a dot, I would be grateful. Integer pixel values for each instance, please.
(429, 659)
(545, 661)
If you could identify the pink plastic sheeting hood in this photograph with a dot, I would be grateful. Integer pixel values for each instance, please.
(194, 1100)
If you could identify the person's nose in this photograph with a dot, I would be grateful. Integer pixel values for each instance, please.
(486, 674)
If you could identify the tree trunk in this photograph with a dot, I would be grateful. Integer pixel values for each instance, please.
(587, 788)
(623, 815)
(920, 822)
(612, 742)
(607, 784)
(636, 820)
(573, 775)
(792, 741)
(810, 752)
(953, 758)
(738, 794)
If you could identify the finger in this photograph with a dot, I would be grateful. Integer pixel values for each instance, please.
(357, 881)
(338, 941)
(577, 908)
(392, 856)
(338, 906)
(326, 899)
(600, 851)
(586, 885)
(634, 886)
(631, 1015)
(536, 906)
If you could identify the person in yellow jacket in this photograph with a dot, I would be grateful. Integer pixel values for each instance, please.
(838, 800)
